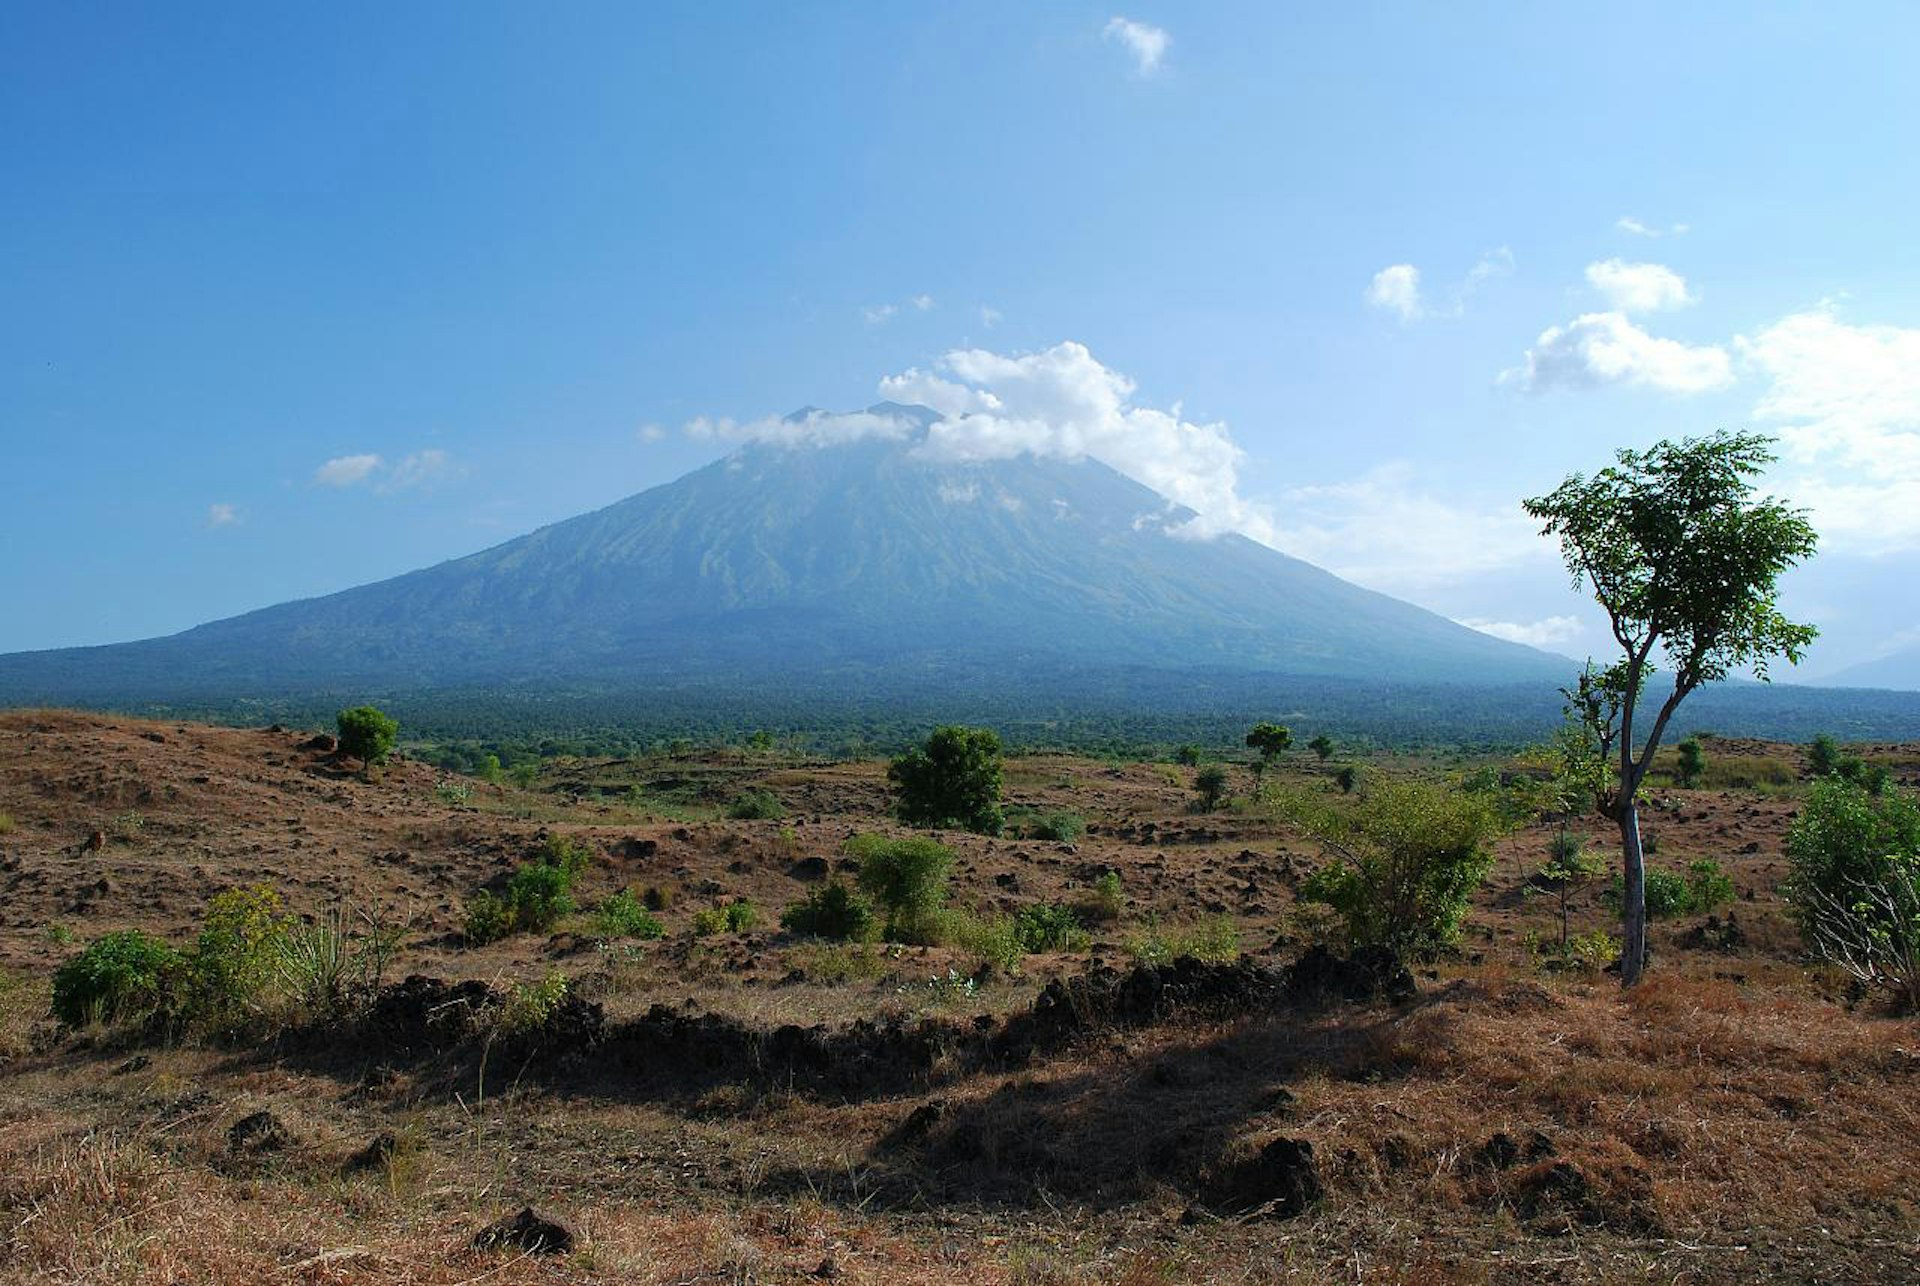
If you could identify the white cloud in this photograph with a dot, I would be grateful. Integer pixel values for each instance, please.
(1062, 402)
(1638, 287)
(812, 428)
(959, 493)
(1385, 531)
(1147, 44)
(878, 314)
(1396, 289)
(346, 470)
(421, 469)
(1846, 403)
(1497, 262)
(1627, 223)
(222, 515)
(1598, 349)
(1543, 633)
(650, 433)
(922, 302)
(989, 317)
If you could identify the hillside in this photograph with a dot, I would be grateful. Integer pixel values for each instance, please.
(749, 1106)
(1899, 671)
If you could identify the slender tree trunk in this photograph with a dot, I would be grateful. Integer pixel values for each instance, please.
(1633, 908)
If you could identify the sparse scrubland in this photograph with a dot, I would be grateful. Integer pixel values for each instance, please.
(303, 1025)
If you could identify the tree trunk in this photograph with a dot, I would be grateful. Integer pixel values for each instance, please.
(1633, 906)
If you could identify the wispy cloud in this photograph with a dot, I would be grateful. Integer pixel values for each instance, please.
(1639, 287)
(879, 314)
(222, 515)
(922, 303)
(1634, 227)
(1396, 289)
(989, 317)
(346, 470)
(1147, 43)
(650, 433)
(1542, 633)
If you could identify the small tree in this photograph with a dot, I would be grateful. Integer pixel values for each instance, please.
(1322, 746)
(1693, 762)
(367, 734)
(1271, 740)
(952, 782)
(1569, 869)
(1684, 559)
(1406, 860)
(1187, 755)
(1210, 784)
(908, 878)
(1823, 756)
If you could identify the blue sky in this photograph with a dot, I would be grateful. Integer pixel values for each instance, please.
(296, 299)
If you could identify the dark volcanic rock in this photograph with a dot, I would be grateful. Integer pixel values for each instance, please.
(1279, 1181)
(532, 1230)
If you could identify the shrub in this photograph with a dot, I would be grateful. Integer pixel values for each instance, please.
(7, 824)
(1855, 887)
(452, 792)
(1348, 777)
(119, 974)
(952, 782)
(1823, 756)
(1322, 747)
(1188, 755)
(1210, 784)
(529, 1006)
(537, 895)
(325, 969)
(993, 940)
(1691, 761)
(1216, 941)
(834, 912)
(756, 805)
(367, 734)
(1669, 893)
(488, 919)
(242, 941)
(736, 917)
(1049, 927)
(1407, 857)
(907, 878)
(1708, 887)
(625, 916)
(1106, 900)
(1057, 825)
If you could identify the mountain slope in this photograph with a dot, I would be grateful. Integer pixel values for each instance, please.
(1897, 670)
(781, 560)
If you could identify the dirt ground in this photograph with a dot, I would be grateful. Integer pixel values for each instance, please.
(1736, 1118)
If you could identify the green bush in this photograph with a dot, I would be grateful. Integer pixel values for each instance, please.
(1049, 927)
(1408, 856)
(756, 805)
(907, 878)
(1855, 886)
(242, 942)
(537, 896)
(625, 916)
(1708, 887)
(1210, 785)
(1690, 761)
(529, 1006)
(952, 782)
(736, 917)
(489, 918)
(992, 939)
(6, 824)
(1216, 941)
(1669, 893)
(1106, 900)
(834, 912)
(1823, 756)
(1057, 825)
(367, 734)
(118, 975)
(1187, 756)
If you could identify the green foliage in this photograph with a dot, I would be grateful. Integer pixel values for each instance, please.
(907, 878)
(1407, 857)
(1708, 887)
(756, 805)
(1210, 787)
(735, 917)
(1823, 756)
(1187, 755)
(452, 792)
(530, 1006)
(623, 915)
(1347, 778)
(242, 943)
(326, 968)
(990, 939)
(1692, 762)
(1049, 926)
(952, 782)
(833, 965)
(538, 894)
(1704, 887)
(1872, 777)
(1855, 887)
(1270, 739)
(119, 975)
(1055, 824)
(834, 912)
(1569, 868)
(7, 824)
(367, 734)
(1216, 941)
(1322, 747)
(1105, 900)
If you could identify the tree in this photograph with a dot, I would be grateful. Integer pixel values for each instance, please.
(1685, 560)
(952, 782)
(1322, 746)
(1210, 783)
(1693, 761)
(1270, 739)
(367, 733)
(1823, 756)
(1569, 868)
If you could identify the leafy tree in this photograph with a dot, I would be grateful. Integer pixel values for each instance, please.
(952, 782)
(1188, 756)
(1685, 559)
(907, 877)
(367, 733)
(1210, 784)
(1271, 740)
(1406, 860)
(1823, 756)
(1322, 746)
(1569, 868)
(1348, 777)
(1693, 761)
